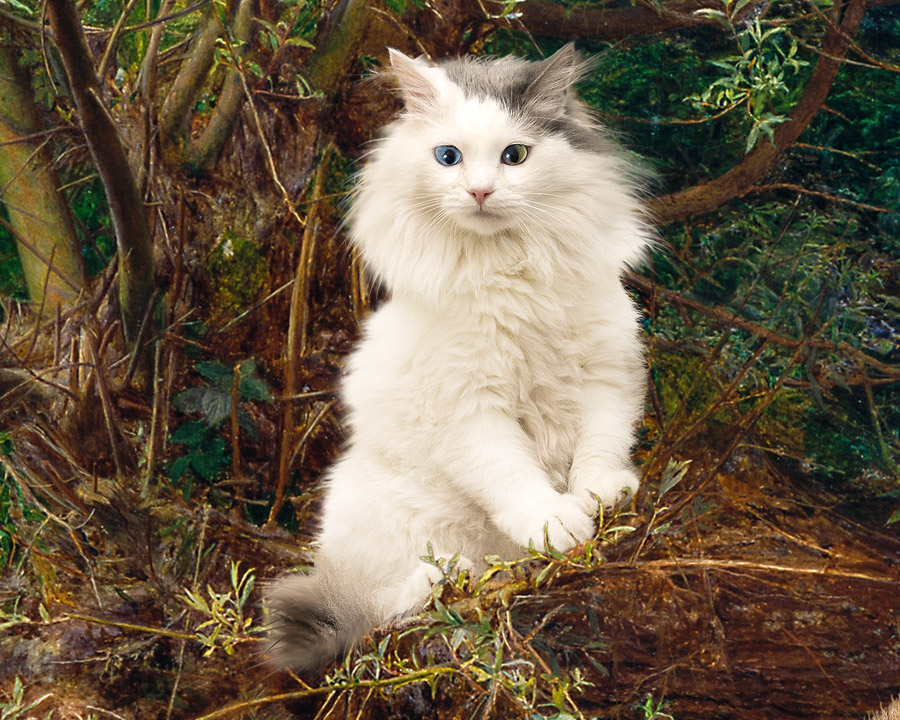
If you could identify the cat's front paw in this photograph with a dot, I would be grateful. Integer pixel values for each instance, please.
(567, 524)
(610, 487)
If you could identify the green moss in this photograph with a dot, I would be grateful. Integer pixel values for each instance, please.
(237, 275)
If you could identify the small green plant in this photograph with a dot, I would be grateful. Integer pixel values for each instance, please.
(654, 710)
(17, 707)
(226, 625)
(206, 453)
(756, 79)
(14, 509)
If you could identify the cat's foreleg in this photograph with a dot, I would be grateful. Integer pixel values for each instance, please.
(488, 456)
(410, 594)
(601, 467)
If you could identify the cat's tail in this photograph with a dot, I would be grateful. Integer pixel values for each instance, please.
(312, 619)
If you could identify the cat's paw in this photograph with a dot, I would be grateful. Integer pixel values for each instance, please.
(611, 488)
(567, 524)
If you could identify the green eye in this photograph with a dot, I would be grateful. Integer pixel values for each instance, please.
(514, 154)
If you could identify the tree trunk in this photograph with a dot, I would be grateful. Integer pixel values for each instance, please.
(38, 217)
(135, 247)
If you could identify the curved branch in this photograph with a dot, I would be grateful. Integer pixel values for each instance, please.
(345, 31)
(175, 116)
(552, 20)
(708, 196)
(135, 249)
(208, 146)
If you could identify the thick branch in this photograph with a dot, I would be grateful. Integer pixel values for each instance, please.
(126, 207)
(708, 196)
(552, 20)
(231, 96)
(344, 33)
(175, 116)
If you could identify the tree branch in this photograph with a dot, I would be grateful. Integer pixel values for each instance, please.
(126, 207)
(217, 131)
(175, 116)
(552, 20)
(708, 196)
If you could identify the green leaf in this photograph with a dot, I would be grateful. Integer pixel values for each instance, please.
(178, 467)
(299, 42)
(716, 15)
(190, 432)
(255, 388)
(672, 475)
(216, 372)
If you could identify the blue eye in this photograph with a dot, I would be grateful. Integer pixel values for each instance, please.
(447, 154)
(514, 154)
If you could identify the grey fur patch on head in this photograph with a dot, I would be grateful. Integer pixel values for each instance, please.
(538, 93)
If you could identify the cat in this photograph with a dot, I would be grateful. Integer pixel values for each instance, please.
(890, 712)
(495, 396)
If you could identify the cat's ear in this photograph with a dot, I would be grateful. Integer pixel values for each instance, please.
(555, 76)
(419, 91)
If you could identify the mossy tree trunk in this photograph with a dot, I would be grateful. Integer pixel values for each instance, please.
(39, 219)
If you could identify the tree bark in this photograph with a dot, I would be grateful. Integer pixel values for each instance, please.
(38, 216)
(708, 196)
(551, 20)
(344, 33)
(135, 248)
(209, 145)
(174, 121)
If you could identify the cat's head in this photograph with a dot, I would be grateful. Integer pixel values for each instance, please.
(493, 161)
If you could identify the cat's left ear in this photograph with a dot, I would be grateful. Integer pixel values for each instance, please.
(415, 80)
(555, 76)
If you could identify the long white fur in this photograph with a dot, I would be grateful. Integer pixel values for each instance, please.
(498, 389)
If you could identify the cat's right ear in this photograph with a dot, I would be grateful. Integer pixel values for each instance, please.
(419, 91)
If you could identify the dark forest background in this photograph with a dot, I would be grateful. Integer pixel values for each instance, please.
(178, 295)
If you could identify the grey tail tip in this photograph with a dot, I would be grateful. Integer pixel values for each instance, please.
(303, 631)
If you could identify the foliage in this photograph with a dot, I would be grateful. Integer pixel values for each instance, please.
(93, 224)
(227, 625)
(218, 399)
(757, 79)
(653, 710)
(16, 512)
(12, 279)
(17, 708)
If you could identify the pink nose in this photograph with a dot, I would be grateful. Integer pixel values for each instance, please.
(480, 195)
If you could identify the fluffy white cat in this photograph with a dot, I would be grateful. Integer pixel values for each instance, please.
(498, 390)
